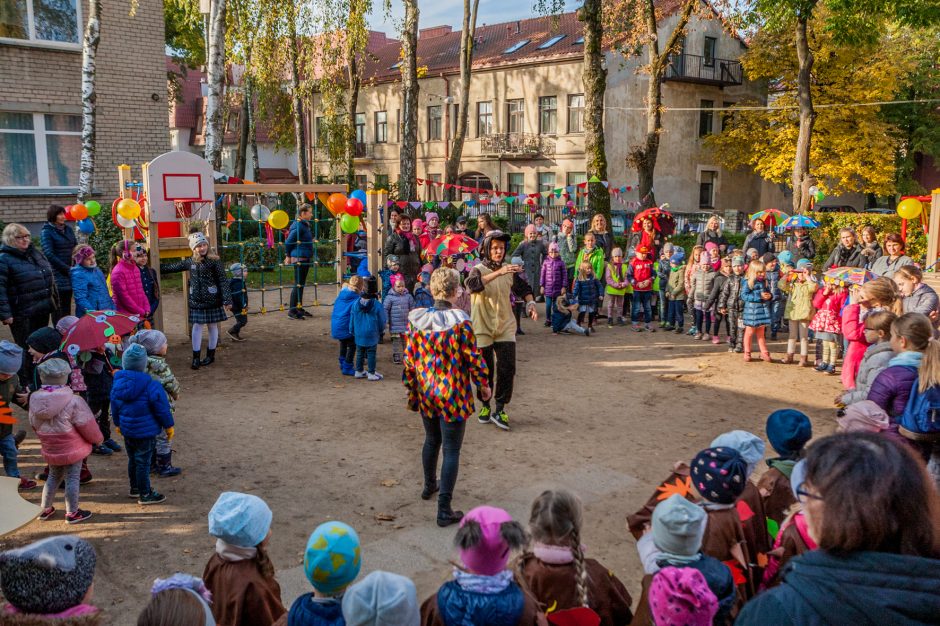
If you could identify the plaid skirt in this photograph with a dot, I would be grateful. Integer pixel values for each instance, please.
(207, 316)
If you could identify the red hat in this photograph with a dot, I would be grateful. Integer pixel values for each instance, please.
(643, 249)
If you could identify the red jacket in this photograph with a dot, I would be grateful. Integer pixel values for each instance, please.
(639, 272)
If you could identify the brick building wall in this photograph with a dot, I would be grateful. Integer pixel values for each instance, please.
(132, 98)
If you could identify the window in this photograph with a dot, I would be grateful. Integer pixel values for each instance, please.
(706, 189)
(515, 113)
(711, 44)
(454, 117)
(360, 128)
(546, 183)
(381, 127)
(484, 119)
(433, 190)
(47, 21)
(705, 118)
(551, 42)
(516, 183)
(548, 115)
(576, 113)
(434, 123)
(362, 181)
(578, 42)
(381, 181)
(515, 47)
(576, 178)
(38, 150)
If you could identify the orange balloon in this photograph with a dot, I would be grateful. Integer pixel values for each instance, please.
(336, 203)
(79, 212)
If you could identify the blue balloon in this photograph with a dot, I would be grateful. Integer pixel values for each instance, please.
(86, 226)
(359, 195)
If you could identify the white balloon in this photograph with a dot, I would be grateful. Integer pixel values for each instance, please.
(126, 223)
(260, 213)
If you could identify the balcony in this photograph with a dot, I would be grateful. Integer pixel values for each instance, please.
(363, 152)
(517, 146)
(692, 68)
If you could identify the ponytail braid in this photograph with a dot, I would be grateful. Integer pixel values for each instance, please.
(581, 578)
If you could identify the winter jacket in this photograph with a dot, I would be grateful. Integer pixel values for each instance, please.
(640, 274)
(860, 588)
(208, 285)
(397, 307)
(139, 405)
(711, 236)
(759, 241)
(718, 284)
(587, 292)
(160, 371)
(702, 280)
(568, 249)
(616, 279)
(532, 253)
(773, 284)
(799, 305)
(8, 389)
(873, 363)
(90, 290)
(756, 309)
(595, 257)
(148, 278)
(923, 300)
(655, 242)
(422, 296)
(305, 611)
(58, 245)
(367, 321)
(853, 329)
(236, 287)
(676, 286)
(801, 248)
(408, 253)
(663, 270)
(845, 257)
(730, 297)
(884, 266)
(828, 307)
(64, 424)
(871, 252)
(554, 277)
(454, 606)
(299, 242)
(604, 241)
(892, 388)
(241, 594)
(27, 285)
(128, 288)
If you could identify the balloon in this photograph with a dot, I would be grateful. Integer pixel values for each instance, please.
(359, 195)
(278, 219)
(349, 223)
(124, 222)
(68, 211)
(260, 213)
(910, 208)
(79, 212)
(86, 226)
(128, 209)
(353, 207)
(93, 208)
(569, 204)
(336, 203)
(819, 196)
(813, 190)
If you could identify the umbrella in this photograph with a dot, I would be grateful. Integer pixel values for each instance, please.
(800, 221)
(663, 221)
(450, 244)
(771, 217)
(853, 275)
(97, 328)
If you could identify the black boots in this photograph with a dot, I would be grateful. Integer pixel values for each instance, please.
(446, 515)
(196, 361)
(430, 489)
(210, 357)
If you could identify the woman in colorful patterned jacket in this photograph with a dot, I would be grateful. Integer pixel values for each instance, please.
(442, 367)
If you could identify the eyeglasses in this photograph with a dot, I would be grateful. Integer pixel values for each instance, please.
(801, 494)
(25, 236)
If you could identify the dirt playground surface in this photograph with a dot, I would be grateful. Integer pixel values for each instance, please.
(604, 416)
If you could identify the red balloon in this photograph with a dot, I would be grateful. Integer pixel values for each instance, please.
(354, 207)
(68, 213)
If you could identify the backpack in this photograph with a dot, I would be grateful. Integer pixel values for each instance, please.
(922, 413)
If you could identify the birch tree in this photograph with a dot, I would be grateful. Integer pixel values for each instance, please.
(216, 82)
(452, 168)
(86, 178)
(408, 151)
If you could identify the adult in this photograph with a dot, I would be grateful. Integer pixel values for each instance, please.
(568, 246)
(801, 245)
(490, 284)
(871, 249)
(648, 236)
(298, 248)
(878, 556)
(484, 225)
(58, 242)
(893, 259)
(403, 244)
(603, 239)
(27, 289)
(394, 214)
(713, 234)
(442, 365)
(759, 239)
(848, 253)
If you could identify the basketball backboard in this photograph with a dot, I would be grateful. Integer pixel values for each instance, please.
(178, 182)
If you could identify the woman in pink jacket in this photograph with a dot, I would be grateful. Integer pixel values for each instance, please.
(126, 285)
(67, 430)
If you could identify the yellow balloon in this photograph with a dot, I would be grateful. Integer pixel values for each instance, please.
(278, 219)
(128, 209)
(910, 208)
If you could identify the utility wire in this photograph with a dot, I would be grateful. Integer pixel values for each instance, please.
(781, 107)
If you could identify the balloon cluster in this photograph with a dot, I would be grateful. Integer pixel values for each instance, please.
(347, 209)
(82, 214)
(276, 219)
(817, 194)
(909, 208)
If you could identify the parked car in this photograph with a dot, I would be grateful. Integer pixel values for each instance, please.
(836, 208)
(881, 210)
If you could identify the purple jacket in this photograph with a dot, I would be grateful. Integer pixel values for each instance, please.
(892, 388)
(554, 276)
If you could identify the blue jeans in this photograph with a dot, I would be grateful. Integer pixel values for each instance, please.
(776, 315)
(365, 353)
(139, 452)
(641, 300)
(449, 435)
(549, 306)
(676, 313)
(8, 450)
(663, 304)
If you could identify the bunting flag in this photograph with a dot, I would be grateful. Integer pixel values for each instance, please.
(579, 189)
(415, 205)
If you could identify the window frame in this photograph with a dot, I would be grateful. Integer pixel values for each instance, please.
(712, 184)
(489, 118)
(515, 110)
(360, 116)
(380, 178)
(553, 114)
(709, 60)
(41, 148)
(706, 119)
(440, 122)
(580, 113)
(381, 137)
(512, 187)
(573, 179)
(32, 41)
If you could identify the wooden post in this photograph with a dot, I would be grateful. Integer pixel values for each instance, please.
(153, 250)
(374, 228)
(124, 177)
(933, 230)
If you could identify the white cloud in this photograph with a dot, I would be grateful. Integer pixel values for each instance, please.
(438, 12)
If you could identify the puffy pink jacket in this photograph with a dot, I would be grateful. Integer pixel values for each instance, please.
(64, 424)
(128, 289)
(853, 328)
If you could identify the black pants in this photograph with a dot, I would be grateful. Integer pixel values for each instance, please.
(591, 317)
(717, 320)
(21, 328)
(300, 279)
(347, 349)
(501, 355)
(65, 306)
(449, 435)
(101, 409)
(241, 320)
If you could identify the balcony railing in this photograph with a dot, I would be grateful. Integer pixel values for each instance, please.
(693, 68)
(363, 150)
(517, 145)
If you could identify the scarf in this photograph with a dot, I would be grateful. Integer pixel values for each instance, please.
(410, 238)
(554, 555)
(680, 560)
(907, 359)
(477, 583)
(784, 466)
(231, 553)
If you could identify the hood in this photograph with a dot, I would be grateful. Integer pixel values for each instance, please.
(346, 296)
(16, 251)
(46, 405)
(305, 610)
(435, 320)
(366, 304)
(878, 348)
(129, 385)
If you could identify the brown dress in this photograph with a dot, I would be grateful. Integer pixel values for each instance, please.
(778, 496)
(531, 615)
(724, 540)
(554, 587)
(754, 524)
(790, 543)
(241, 595)
(676, 483)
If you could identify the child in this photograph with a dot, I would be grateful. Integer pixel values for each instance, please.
(382, 598)
(11, 358)
(788, 431)
(140, 409)
(332, 560)
(863, 417)
(209, 295)
(616, 279)
(422, 295)
(702, 281)
(592, 254)
(663, 272)
(681, 596)
(800, 287)
(155, 343)
(563, 318)
(794, 537)
(711, 305)
(239, 291)
(827, 323)
(586, 293)
(731, 304)
(240, 574)
(533, 252)
(148, 278)
(88, 283)
(50, 581)
(876, 295)
(366, 322)
(553, 280)
(514, 302)
(877, 356)
(347, 297)
(917, 296)
(542, 230)
(398, 303)
(756, 296)
(127, 287)
(694, 259)
(392, 268)
(483, 590)
(640, 277)
(179, 599)
(557, 572)
(675, 293)
(432, 229)
(772, 271)
(67, 430)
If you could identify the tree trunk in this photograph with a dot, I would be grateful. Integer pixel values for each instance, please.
(452, 169)
(86, 178)
(297, 110)
(595, 85)
(801, 171)
(216, 77)
(408, 154)
(252, 135)
(352, 103)
(241, 156)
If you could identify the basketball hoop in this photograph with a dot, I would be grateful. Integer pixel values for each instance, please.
(184, 209)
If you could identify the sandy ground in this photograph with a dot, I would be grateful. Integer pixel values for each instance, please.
(604, 416)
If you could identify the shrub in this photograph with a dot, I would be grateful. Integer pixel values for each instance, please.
(827, 235)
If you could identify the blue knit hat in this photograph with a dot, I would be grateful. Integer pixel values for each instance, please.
(788, 431)
(785, 258)
(240, 519)
(677, 258)
(803, 264)
(11, 357)
(719, 474)
(135, 358)
(332, 559)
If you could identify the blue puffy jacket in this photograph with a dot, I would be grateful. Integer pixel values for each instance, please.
(587, 292)
(339, 321)
(139, 405)
(367, 321)
(90, 290)
(756, 309)
(397, 307)
(305, 612)
(299, 242)
(458, 606)
(58, 245)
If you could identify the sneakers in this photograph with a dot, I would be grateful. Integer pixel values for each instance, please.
(484, 416)
(234, 336)
(831, 370)
(716, 339)
(610, 322)
(77, 517)
(26, 484)
(46, 514)
(374, 376)
(650, 329)
(668, 327)
(693, 331)
(101, 450)
(305, 312)
(706, 337)
(151, 498)
(165, 467)
(679, 330)
(697, 336)
(636, 328)
(134, 493)
(294, 315)
(822, 367)
(501, 419)
(112, 445)
(361, 374)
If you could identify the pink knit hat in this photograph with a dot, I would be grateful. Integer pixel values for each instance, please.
(553, 246)
(681, 597)
(529, 229)
(490, 555)
(863, 417)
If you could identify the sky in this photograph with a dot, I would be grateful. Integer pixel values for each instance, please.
(439, 12)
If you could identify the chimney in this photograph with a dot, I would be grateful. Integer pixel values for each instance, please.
(518, 27)
(434, 31)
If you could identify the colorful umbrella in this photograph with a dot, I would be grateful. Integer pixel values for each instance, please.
(663, 221)
(451, 244)
(800, 221)
(97, 328)
(852, 275)
(771, 217)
